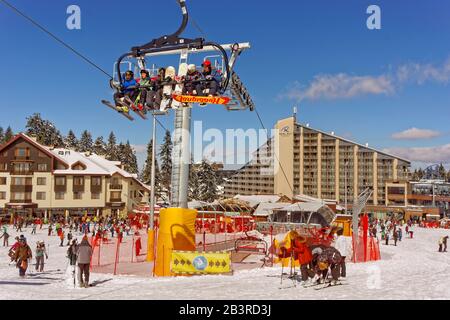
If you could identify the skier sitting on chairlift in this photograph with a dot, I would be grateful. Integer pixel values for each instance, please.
(212, 79)
(192, 81)
(126, 91)
(144, 90)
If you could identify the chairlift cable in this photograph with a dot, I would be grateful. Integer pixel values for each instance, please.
(17, 11)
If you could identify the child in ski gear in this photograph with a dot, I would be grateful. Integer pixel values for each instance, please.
(21, 256)
(144, 88)
(192, 81)
(84, 255)
(328, 259)
(128, 88)
(303, 254)
(40, 253)
(33, 231)
(212, 79)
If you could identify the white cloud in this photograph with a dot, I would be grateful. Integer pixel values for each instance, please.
(341, 86)
(435, 154)
(344, 86)
(416, 134)
(421, 73)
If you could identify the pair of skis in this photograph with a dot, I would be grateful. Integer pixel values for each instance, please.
(127, 103)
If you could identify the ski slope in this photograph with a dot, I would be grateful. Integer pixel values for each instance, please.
(412, 270)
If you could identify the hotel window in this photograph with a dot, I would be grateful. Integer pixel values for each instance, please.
(78, 181)
(96, 181)
(22, 167)
(78, 195)
(42, 167)
(2, 195)
(22, 152)
(59, 195)
(60, 181)
(21, 196)
(41, 181)
(95, 196)
(2, 181)
(21, 181)
(115, 181)
(40, 196)
(3, 166)
(116, 195)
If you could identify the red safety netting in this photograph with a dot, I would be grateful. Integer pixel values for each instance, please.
(124, 256)
(365, 248)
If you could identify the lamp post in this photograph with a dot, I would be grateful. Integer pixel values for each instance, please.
(151, 228)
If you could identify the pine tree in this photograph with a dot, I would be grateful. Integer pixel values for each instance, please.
(44, 131)
(193, 192)
(9, 134)
(442, 172)
(111, 148)
(165, 155)
(71, 141)
(131, 159)
(85, 144)
(207, 187)
(99, 147)
(147, 170)
(2, 135)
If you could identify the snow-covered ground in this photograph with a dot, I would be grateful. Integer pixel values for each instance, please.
(412, 270)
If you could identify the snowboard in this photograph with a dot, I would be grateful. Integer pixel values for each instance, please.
(167, 89)
(182, 72)
(202, 100)
(125, 114)
(135, 108)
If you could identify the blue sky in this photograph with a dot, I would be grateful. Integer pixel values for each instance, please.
(366, 85)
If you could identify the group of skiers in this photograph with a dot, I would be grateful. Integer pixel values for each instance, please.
(146, 93)
(319, 262)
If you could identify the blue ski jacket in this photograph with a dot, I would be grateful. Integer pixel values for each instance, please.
(128, 83)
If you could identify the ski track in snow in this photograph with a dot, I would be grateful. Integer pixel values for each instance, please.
(412, 270)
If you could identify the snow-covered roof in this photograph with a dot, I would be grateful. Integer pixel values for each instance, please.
(92, 165)
(265, 209)
(303, 206)
(257, 199)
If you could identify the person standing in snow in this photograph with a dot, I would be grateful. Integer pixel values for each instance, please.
(69, 237)
(84, 255)
(61, 236)
(21, 256)
(5, 237)
(344, 246)
(443, 244)
(395, 235)
(40, 253)
(399, 234)
(387, 237)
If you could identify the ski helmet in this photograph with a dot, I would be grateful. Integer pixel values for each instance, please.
(129, 72)
(191, 68)
(146, 72)
(206, 63)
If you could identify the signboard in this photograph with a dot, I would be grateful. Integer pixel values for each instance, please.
(192, 262)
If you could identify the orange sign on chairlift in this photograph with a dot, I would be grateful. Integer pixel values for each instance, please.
(198, 99)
